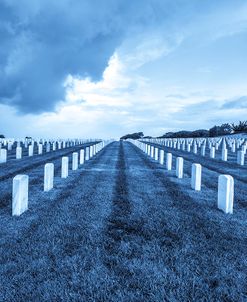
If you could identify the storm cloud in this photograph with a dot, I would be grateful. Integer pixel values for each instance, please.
(44, 41)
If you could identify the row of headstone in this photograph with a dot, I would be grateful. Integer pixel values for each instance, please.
(20, 182)
(225, 196)
(41, 145)
(212, 143)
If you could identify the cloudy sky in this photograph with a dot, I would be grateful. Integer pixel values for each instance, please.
(104, 68)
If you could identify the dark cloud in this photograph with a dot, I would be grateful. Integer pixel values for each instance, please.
(43, 41)
(41, 44)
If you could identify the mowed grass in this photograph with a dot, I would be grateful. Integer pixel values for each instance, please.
(124, 229)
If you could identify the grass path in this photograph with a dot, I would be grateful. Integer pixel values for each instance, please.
(122, 228)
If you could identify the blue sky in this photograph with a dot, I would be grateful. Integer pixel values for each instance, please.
(73, 68)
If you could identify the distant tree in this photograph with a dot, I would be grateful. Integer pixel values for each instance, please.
(224, 129)
(214, 131)
(240, 127)
(136, 135)
(200, 133)
(2, 136)
(186, 134)
(167, 135)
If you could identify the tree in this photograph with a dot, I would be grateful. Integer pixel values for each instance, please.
(224, 129)
(136, 135)
(214, 131)
(240, 127)
(2, 136)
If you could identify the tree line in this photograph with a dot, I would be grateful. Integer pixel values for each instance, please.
(224, 129)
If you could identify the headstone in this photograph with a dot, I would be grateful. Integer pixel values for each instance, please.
(18, 152)
(162, 155)
(87, 154)
(196, 175)
(91, 151)
(195, 148)
(3, 156)
(30, 150)
(224, 154)
(48, 177)
(48, 147)
(240, 158)
(203, 149)
(169, 161)
(40, 149)
(149, 150)
(225, 193)
(65, 167)
(179, 167)
(82, 154)
(19, 195)
(212, 152)
(156, 154)
(74, 161)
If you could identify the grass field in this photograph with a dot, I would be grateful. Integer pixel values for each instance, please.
(122, 228)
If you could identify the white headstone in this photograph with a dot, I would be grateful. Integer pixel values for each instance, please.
(156, 154)
(30, 150)
(65, 167)
(48, 177)
(90, 151)
(18, 152)
(179, 167)
(169, 161)
(195, 148)
(149, 150)
(3, 156)
(48, 147)
(212, 152)
(20, 194)
(82, 154)
(240, 158)
(224, 154)
(196, 175)
(87, 154)
(74, 161)
(40, 148)
(162, 155)
(225, 193)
